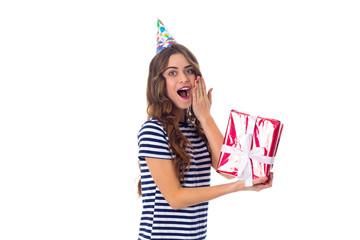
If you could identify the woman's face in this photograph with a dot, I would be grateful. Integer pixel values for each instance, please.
(180, 78)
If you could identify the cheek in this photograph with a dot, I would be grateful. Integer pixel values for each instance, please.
(192, 80)
(168, 87)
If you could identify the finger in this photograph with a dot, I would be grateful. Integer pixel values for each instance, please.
(203, 87)
(197, 78)
(194, 90)
(259, 180)
(210, 95)
(197, 88)
(269, 182)
(271, 178)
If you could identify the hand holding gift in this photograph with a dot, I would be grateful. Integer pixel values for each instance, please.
(249, 146)
(258, 184)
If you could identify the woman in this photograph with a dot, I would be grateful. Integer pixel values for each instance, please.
(177, 147)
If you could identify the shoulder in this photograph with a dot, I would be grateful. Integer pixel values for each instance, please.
(152, 129)
(152, 125)
(153, 141)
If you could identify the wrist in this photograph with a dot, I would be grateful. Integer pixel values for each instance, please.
(239, 185)
(206, 120)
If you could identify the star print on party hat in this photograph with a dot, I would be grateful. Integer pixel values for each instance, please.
(164, 39)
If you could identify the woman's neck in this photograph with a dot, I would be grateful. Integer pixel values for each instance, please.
(179, 114)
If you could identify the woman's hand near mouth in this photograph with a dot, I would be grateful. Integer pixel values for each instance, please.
(201, 102)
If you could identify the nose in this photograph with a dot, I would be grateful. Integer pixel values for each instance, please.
(184, 78)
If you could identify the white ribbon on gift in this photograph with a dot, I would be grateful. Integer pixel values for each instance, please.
(257, 154)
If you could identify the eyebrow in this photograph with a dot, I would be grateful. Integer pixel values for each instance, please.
(189, 66)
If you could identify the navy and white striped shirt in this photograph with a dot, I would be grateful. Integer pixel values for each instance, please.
(159, 220)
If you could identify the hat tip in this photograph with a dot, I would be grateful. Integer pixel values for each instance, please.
(164, 38)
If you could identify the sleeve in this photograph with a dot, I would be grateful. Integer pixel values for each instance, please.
(153, 142)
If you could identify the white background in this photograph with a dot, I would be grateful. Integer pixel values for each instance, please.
(72, 99)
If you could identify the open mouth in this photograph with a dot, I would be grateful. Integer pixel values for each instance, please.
(184, 92)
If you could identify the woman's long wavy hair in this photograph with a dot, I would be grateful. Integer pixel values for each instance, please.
(160, 107)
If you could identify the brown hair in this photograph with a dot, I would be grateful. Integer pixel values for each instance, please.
(160, 107)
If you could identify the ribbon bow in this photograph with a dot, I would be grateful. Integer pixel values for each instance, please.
(245, 140)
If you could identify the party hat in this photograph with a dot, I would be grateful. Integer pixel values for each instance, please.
(164, 39)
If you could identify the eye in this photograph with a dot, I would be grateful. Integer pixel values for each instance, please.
(173, 73)
(190, 71)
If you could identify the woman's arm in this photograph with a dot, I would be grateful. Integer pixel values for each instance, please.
(201, 107)
(178, 197)
(215, 139)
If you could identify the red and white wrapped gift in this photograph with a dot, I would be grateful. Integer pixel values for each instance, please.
(249, 146)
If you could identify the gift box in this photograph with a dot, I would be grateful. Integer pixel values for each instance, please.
(249, 146)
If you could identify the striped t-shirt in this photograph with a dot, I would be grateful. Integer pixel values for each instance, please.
(158, 219)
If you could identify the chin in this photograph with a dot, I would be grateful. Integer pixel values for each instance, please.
(186, 106)
(183, 106)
